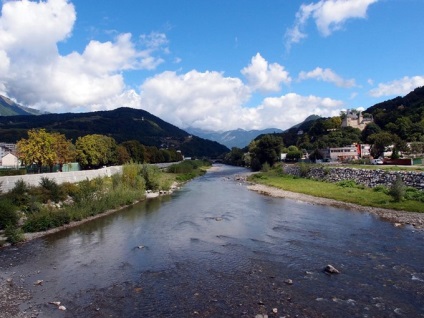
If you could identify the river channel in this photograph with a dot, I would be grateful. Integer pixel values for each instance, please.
(216, 249)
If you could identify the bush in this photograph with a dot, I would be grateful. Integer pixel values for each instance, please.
(397, 189)
(265, 167)
(151, 177)
(50, 190)
(19, 193)
(14, 234)
(347, 184)
(304, 169)
(381, 188)
(8, 214)
(414, 194)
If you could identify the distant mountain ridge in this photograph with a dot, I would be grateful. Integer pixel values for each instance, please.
(10, 108)
(239, 138)
(123, 124)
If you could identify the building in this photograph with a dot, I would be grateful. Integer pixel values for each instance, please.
(10, 161)
(341, 153)
(6, 148)
(355, 119)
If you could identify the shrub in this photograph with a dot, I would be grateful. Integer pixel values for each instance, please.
(414, 194)
(397, 189)
(14, 234)
(19, 193)
(347, 184)
(381, 188)
(8, 214)
(151, 177)
(50, 190)
(265, 167)
(304, 169)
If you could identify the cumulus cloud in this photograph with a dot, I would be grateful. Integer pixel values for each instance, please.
(265, 77)
(398, 87)
(329, 16)
(185, 99)
(211, 101)
(327, 75)
(33, 70)
(290, 109)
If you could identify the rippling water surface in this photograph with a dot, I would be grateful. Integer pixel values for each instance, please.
(216, 249)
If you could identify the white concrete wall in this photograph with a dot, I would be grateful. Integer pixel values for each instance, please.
(7, 183)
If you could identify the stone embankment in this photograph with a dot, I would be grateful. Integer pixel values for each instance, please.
(367, 177)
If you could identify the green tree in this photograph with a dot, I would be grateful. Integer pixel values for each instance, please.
(380, 141)
(96, 150)
(267, 149)
(136, 150)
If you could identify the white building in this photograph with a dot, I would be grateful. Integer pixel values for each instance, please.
(10, 160)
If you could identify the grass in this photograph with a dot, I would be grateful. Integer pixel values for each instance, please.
(355, 195)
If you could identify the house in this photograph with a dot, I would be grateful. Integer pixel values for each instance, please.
(355, 119)
(10, 160)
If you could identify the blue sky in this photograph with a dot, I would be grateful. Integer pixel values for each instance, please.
(216, 65)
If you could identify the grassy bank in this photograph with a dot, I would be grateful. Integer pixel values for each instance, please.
(50, 205)
(346, 191)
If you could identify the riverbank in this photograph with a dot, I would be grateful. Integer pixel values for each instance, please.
(398, 218)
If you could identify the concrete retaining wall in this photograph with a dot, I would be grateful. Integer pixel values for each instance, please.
(367, 177)
(8, 182)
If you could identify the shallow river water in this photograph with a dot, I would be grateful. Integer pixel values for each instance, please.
(216, 249)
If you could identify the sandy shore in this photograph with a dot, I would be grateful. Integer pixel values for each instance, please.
(398, 218)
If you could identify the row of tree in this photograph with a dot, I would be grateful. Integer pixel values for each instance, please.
(43, 148)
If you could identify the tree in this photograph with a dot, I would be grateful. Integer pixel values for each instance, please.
(136, 150)
(65, 150)
(96, 150)
(293, 154)
(380, 141)
(38, 149)
(267, 149)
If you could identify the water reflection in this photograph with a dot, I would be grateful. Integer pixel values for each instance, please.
(215, 245)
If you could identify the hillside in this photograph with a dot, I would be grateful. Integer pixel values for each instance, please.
(122, 124)
(10, 108)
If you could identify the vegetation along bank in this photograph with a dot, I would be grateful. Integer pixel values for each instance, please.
(29, 209)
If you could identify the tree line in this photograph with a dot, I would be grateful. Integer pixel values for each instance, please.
(44, 148)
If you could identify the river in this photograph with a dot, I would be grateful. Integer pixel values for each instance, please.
(216, 249)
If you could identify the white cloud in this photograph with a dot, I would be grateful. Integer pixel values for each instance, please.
(327, 75)
(208, 100)
(265, 77)
(211, 101)
(290, 109)
(329, 16)
(33, 71)
(398, 87)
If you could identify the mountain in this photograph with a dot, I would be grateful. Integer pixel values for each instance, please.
(122, 124)
(239, 138)
(10, 108)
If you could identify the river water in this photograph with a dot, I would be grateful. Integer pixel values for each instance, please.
(216, 249)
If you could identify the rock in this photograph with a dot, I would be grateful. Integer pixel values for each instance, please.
(57, 303)
(274, 310)
(140, 247)
(288, 282)
(331, 269)
(62, 308)
(218, 219)
(39, 282)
